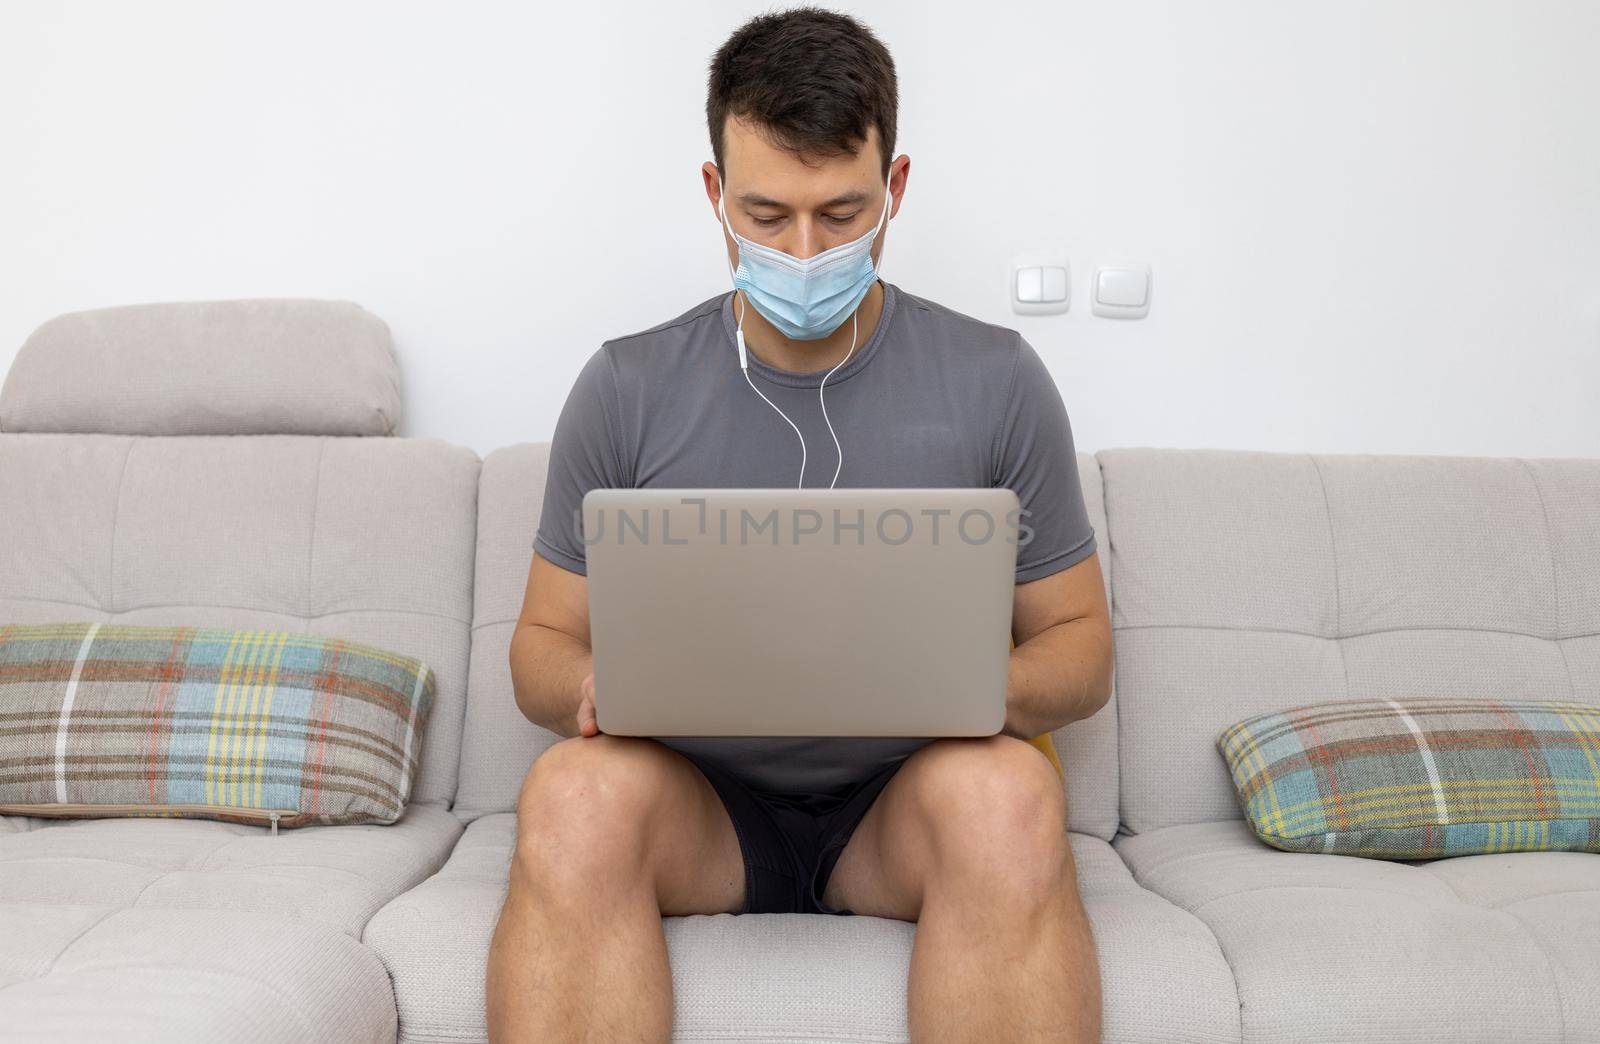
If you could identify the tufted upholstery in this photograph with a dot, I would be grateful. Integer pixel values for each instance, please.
(84, 973)
(1334, 948)
(1248, 582)
(197, 929)
(334, 876)
(370, 538)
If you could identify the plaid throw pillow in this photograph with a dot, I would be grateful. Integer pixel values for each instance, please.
(1420, 778)
(100, 719)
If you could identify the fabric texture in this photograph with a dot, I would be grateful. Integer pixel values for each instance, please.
(1246, 582)
(254, 366)
(1327, 949)
(130, 499)
(369, 539)
(222, 723)
(1420, 777)
(93, 973)
(335, 876)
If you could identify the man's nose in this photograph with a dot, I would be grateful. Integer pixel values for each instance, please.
(807, 241)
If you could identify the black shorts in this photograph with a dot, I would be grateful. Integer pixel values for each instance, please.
(790, 842)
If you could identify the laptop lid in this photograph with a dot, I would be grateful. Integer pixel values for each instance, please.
(772, 612)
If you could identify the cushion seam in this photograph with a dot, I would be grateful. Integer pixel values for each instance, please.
(1549, 967)
(246, 608)
(116, 511)
(1216, 940)
(1325, 638)
(1555, 575)
(311, 542)
(97, 922)
(1333, 551)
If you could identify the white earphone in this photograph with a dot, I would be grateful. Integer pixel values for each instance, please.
(744, 366)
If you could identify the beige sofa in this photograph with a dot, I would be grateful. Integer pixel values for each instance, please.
(234, 463)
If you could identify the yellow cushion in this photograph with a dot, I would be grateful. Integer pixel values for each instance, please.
(1044, 743)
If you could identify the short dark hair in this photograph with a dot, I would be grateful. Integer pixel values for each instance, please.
(811, 80)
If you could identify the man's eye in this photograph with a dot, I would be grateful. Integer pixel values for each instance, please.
(770, 222)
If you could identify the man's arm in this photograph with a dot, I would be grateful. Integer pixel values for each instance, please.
(551, 666)
(1061, 666)
(550, 661)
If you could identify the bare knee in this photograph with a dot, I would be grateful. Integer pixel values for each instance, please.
(583, 810)
(996, 816)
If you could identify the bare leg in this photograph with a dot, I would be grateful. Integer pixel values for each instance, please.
(969, 840)
(613, 832)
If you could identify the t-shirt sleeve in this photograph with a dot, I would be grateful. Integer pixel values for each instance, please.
(585, 454)
(1037, 460)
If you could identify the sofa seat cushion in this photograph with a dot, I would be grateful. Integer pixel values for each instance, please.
(797, 977)
(332, 876)
(1334, 947)
(72, 972)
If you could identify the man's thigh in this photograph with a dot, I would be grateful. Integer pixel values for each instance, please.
(882, 868)
(687, 840)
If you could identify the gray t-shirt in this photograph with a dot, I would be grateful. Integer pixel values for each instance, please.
(934, 398)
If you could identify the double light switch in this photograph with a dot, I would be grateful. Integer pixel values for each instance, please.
(1040, 284)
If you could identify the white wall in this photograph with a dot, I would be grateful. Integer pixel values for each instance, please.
(1374, 226)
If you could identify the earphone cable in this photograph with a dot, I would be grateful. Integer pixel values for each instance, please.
(744, 365)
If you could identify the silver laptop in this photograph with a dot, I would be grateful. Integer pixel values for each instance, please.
(772, 612)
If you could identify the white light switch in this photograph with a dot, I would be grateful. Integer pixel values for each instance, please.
(1122, 291)
(1040, 283)
(1029, 285)
(1053, 284)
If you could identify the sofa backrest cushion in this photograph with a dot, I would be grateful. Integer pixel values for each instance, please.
(499, 744)
(288, 366)
(369, 539)
(1245, 582)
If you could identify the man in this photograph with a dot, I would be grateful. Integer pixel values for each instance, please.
(964, 836)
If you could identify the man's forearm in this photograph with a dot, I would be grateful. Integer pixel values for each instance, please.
(547, 671)
(1060, 675)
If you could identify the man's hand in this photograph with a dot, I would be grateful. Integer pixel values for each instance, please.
(587, 725)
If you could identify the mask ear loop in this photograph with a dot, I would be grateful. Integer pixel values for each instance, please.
(877, 270)
(744, 361)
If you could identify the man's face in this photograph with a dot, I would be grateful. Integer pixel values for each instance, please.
(775, 199)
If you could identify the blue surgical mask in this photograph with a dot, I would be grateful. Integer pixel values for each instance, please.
(805, 299)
